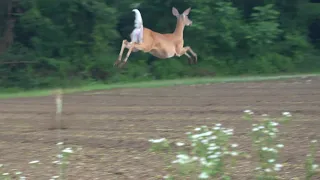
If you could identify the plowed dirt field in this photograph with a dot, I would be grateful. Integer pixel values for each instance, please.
(113, 127)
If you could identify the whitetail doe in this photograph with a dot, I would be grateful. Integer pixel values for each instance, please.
(163, 46)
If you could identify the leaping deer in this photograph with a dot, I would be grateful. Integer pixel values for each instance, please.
(163, 46)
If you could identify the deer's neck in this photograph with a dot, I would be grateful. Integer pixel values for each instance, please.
(179, 29)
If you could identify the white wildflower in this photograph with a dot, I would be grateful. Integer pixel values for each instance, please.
(277, 167)
(314, 141)
(274, 124)
(34, 162)
(18, 173)
(55, 177)
(218, 124)
(22, 178)
(315, 166)
(280, 145)
(271, 160)
(264, 148)
(180, 144)
(212, 148)
(5, 174)
(272, 134)
(213, 137)
(255, 129)
(67, 150)
(205, 141)
(287, 114)
(213, 156)
(216, 128)
(267, 170)
(248, 112)
(59, 143)
(204, 175)
(197, 129)
(234, 145)
(234, 153)
(157, 140)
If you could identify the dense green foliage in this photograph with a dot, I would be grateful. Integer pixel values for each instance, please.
(67, 42)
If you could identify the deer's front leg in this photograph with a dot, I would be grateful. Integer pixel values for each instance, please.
(184, 50)
(193, 53)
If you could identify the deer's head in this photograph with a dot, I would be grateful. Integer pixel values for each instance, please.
(182, 17)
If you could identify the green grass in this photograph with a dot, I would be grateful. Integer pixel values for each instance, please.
(151, 84)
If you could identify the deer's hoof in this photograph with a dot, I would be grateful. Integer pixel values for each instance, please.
(116, 63)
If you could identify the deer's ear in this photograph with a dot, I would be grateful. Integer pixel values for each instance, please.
(187, 11)
(175, 12)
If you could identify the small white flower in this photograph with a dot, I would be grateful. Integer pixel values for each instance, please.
(234, 153)
(257, 168)
(218, 124)
(271, 160)
(157, 140)
(34, 162)
(5, 174)
(188, 133)
(287, 114)
(234, 145)
(274, 124)
(59, 143)
(314, 141)
(212, 148)
(267, 170)
(278, 165)
(216, 128)
(197, 129)
(207, 133)
(17, 173)
(315, 166)
(204, 175)
(67, 150)
(255, 129)
(261, 127)
(22, 178)
(280, 145)
(56, 162)
(55, 177)
(205, 141)
(272, 134)
(180, 144)
(213, 137)
(194, 158)
(265, 149)
(166, 177)
(213, 156)
(248, 112)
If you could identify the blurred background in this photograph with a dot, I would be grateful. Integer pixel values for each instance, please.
(50, 43)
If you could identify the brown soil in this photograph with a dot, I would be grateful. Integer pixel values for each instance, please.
(113, 127)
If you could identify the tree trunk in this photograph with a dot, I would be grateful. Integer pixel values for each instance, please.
(7, 38)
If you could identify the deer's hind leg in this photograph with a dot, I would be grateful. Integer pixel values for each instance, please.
(125, 44)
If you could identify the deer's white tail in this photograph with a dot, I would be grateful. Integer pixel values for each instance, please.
(137, 33)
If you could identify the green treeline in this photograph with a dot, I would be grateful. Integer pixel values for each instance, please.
(48, 43)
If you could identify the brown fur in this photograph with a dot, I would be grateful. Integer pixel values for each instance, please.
(163, 46)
